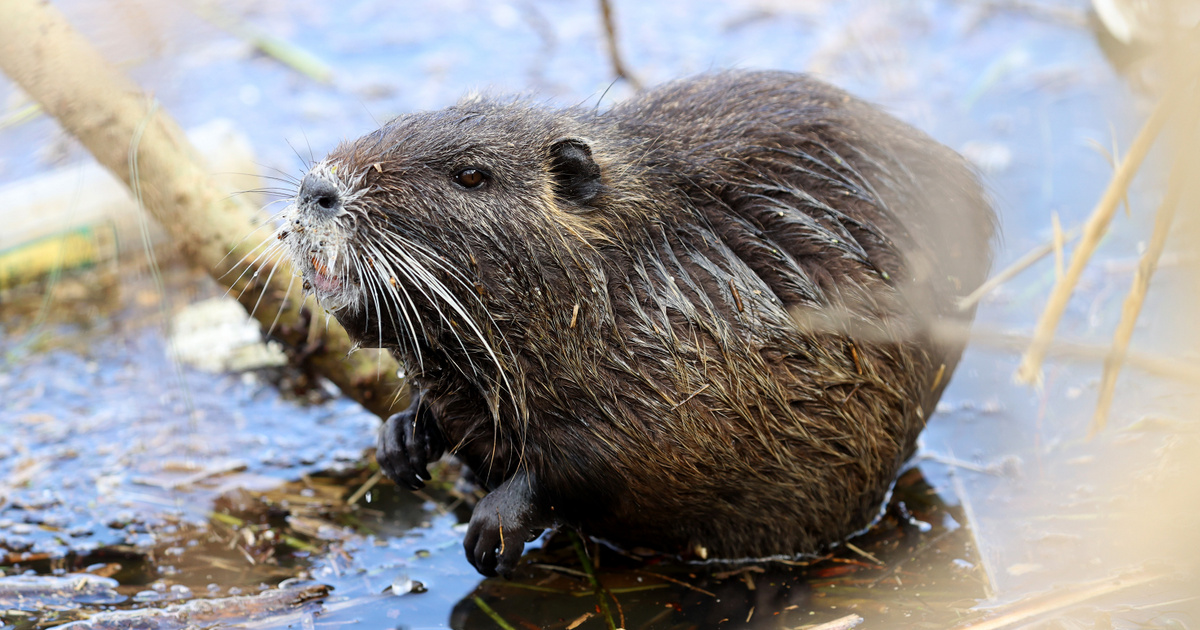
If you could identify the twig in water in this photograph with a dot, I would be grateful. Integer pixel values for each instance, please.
(601, 598)
(579, 620)
(365, 488)
(1150, 363)
(958, 463)
(20, 116)
(865, 554)
(620, 610)
(287, 53)
(1113, 157)
(675, 581)
(487, 610)
(296, 543)
(558, 569)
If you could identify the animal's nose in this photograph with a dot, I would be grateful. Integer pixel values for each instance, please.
(318, 195)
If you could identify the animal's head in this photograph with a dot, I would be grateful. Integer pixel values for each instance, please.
(444, 230)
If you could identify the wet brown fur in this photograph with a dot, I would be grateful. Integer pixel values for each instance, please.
(725, 343)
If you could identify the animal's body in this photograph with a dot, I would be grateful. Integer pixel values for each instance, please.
(702, 321)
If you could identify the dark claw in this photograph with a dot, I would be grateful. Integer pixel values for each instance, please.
(502, 523)
(407, 443)
(486, 551)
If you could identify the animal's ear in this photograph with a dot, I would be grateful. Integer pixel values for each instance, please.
(576, 174)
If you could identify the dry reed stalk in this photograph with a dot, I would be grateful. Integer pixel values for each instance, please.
(1021, 264)
(1155, 364)
(1060, 243)
(1093, 230)
(1182, 169)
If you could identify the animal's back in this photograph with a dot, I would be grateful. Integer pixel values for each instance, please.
(776, 319)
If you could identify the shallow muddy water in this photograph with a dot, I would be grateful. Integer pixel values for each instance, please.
(168, 486)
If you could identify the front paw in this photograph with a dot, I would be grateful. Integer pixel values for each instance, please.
(503, 521)
(407, 443)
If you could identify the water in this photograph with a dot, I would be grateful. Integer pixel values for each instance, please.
(180, 485)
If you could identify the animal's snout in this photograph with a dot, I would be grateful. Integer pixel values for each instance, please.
(318, 195)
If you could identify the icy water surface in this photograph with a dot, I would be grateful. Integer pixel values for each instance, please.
(130, 482)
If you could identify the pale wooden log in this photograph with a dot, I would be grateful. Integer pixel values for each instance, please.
(123, 128)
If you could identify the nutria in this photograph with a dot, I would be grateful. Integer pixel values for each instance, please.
(699, 322)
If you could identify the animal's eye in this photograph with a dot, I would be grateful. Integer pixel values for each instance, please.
(470, 177)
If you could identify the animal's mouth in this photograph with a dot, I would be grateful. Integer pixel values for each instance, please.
(330, 284)
(324, 279)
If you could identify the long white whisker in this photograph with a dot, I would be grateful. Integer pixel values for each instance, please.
(456, 274)
(271, 244)
(422, 280)
(371, 294)
(395, 289)
(274, 232)
(452, 301)
(278, 313)
(266, 285)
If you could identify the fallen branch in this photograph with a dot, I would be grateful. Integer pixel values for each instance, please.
(129, 134)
